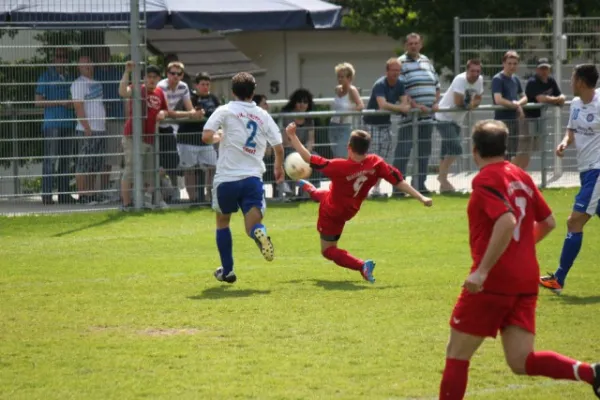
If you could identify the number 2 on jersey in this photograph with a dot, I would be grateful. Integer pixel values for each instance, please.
(252, 128)
(358, 183)
(521, 203)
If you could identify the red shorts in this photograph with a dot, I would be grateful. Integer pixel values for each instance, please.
(330, 227)
(484, 314)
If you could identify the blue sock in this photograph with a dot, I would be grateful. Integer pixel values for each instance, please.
(225, 246)
(569, 253)
(259, 225)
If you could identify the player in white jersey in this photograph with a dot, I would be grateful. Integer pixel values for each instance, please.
(246, 129)
(583, 129)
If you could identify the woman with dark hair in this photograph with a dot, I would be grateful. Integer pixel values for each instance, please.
(300, 101)
(261, 101)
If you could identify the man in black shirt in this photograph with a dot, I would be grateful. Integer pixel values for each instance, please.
(195, 156)
(540, 88)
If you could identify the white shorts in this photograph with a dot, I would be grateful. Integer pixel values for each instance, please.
(191, 156)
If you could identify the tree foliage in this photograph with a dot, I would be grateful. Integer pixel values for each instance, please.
(434, 19)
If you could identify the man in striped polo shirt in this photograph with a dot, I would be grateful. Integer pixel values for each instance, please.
(423, 88)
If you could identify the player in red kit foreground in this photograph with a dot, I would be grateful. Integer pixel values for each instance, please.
(507, 217)
(351, 180)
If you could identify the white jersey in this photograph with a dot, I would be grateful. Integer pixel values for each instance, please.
(246, 130)
(462, 86)
(584, 120)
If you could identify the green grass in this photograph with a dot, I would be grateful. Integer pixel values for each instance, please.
(124, 306)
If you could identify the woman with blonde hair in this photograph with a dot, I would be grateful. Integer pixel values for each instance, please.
(346, 99)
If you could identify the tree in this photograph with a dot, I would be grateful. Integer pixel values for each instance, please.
(434, 19)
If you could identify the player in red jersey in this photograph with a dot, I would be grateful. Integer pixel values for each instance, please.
(351, 180)
(507, 217)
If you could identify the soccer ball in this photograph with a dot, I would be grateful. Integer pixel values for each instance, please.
(296, 168)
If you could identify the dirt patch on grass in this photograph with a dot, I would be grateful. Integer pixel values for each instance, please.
(168, 331)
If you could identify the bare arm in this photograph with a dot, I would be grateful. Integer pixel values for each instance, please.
(408, 189)
(210, 137)
(475, 102)
(542, 98)
(290, 131)
(403, 107)
(80, 113)
(355, 97)
(124, 89)
(499, 241)
(542, 229)
(501, 101)
(310, 143)
(523, 100)
(459, 100)
(278, 151)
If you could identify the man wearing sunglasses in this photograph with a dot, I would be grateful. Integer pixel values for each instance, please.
(178, 96)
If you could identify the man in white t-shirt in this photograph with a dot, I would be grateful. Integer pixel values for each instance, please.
(246, 130)
(88, 101)
(465, 92)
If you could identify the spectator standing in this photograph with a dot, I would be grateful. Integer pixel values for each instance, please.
(198, 159)
(88, 102)
(507, 92)
(300, 101)
(109, 76)
(540, 88)
(465, 92)
(423, 88)
(177, 93)
(155, 108)
(346, 99)
(387, 91)
(53, 94)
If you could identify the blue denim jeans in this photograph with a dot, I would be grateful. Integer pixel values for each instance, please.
(339, 135)
(59, 149)
(404, 148)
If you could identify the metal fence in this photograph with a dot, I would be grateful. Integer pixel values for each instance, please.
(180, 185)
(53, 76)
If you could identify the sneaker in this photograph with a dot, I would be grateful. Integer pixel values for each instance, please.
(126, 208)
(148, 205)
(264, 244)
(551, 283)
(367, 271)
(163, 206)
(229, 278)
(596, 384)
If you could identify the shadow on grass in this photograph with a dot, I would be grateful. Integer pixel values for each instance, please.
(224, 292)
(578, 300)
(110, 218)
(347, 285)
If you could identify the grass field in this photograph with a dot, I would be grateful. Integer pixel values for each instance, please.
(124, 306)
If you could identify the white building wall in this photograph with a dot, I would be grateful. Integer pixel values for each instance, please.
(307, 58)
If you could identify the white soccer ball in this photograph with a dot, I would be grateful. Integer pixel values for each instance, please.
(296, 168)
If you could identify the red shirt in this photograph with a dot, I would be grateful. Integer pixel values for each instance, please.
(154, 102)
(351, 182)
(497, 189)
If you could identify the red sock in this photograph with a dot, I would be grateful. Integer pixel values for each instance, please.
(317, 194)
(343, 258)
(454, 380)
(557, 366)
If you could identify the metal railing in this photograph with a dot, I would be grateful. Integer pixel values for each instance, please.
(408, 144)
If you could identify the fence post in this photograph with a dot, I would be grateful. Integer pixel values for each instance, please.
(456, 46)
(15, 148)
(135, 37)
(157, 195)
(415, 148)
(542, 128)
